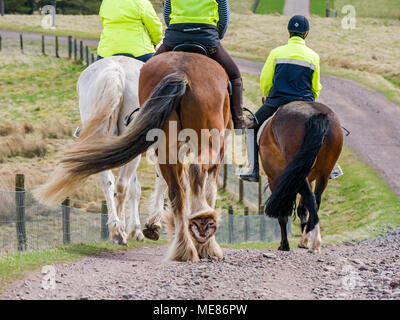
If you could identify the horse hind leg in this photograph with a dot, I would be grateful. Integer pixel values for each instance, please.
(182, 247)
(116, 226)
(134, 229)
(203, 220)
(312, 228)
(302, 214)
(284, 246)
(153, 225)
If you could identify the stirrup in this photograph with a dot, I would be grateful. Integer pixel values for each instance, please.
(252, 114)
(336, 172)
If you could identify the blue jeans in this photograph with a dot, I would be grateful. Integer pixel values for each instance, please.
(142, 58)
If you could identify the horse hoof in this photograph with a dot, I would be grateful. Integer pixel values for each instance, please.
(152, 232)
(118, 239)
(136, 235)
(284, 248)
(202, 229)
(302, 246)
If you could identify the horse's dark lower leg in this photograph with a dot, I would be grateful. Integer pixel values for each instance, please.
(284, 240)
(312, 226)
(302, 214)
(320, 186)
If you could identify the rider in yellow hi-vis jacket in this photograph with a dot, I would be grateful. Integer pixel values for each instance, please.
(291, 73)
(130, 27)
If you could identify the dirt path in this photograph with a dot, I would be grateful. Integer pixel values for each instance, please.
(367, 270)
(293, 7)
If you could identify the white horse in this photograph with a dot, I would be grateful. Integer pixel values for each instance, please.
(108, 94)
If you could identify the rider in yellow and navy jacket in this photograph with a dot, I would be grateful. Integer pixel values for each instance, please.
(130, 28)
(291, 73)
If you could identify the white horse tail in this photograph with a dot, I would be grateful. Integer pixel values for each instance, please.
(108, 95)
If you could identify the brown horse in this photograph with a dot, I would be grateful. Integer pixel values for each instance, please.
(190, 90)
(299, 145)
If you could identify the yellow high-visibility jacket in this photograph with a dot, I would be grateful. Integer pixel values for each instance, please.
(291, 72)
(129, 26)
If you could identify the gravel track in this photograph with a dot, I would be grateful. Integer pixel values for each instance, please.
(365, 270)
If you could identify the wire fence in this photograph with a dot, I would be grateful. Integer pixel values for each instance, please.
(47, 45)
(25, 224)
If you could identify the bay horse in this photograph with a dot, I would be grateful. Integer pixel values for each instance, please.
(191, 91)
(299, 145)
(108, 94)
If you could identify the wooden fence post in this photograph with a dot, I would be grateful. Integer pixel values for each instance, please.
(92, 55)
(246, 224)
(262, 227)
(225, 178)
(240, 189)
(87, 56)
(230, 224)
(57, 54)
(2, 7)
(0, 42)
(66, 221)
(255, 5)
(81, 50)
(260, 193)
(75, 50)
(104, 220)
(20, 208)
(43, 45)
(21, 42)
(69, 47)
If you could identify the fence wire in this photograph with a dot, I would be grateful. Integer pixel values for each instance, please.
(41, 228)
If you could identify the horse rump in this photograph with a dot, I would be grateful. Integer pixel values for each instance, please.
(282, 201)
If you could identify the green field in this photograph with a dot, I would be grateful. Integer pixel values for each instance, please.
(318, 7)
(270, 6)
(382, 9)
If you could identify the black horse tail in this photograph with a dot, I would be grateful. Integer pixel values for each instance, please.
(117, 151)
(283, 199)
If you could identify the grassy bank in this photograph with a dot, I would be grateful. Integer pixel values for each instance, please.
(370, 51)
(318, 7)
(382, 9)
(270, 6)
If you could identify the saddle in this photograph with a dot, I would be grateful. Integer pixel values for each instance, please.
(195, 47)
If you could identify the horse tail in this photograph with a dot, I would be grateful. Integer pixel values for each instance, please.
(283, 198)
(109, 91)
(100, 154)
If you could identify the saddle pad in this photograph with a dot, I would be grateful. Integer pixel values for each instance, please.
(260, 131)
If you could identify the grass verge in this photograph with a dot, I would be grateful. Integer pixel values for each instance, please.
(270, 6)
(382, 9)
(318, 7)
(18, 265)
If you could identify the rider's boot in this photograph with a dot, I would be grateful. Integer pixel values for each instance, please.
(251, 172)
(236, 105)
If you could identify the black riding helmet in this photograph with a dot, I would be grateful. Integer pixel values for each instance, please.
(298, 24)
